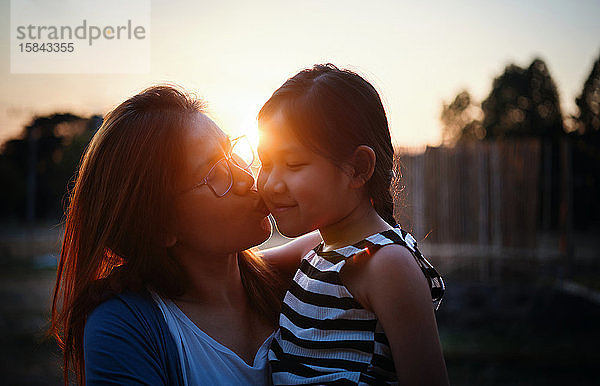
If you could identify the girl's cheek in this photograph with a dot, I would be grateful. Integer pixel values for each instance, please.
(265, 180)
(296, 179)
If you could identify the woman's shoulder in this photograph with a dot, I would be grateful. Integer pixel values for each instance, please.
(123, 305)
(125, 337)
(122, 314)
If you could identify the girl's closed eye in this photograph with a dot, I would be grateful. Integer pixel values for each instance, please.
(295, 165)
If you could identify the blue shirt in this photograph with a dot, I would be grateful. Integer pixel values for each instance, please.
(126, 341)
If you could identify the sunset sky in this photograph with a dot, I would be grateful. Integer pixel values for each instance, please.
(235, 54)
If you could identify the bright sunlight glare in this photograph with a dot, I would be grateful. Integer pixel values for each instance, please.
(247, 126)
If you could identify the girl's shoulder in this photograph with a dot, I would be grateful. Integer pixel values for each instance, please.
(391, 259)
(396, 249)
(390, 271)
(385, 260)
(376, 270)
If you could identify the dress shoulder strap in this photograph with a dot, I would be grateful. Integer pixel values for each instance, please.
(398, 236)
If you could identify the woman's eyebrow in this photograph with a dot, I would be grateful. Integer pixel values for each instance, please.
(222, 147)
(226, 143)
(217, 152)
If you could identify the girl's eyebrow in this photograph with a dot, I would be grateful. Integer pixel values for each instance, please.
(283, 150)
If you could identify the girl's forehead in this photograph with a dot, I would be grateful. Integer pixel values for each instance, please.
(280, 141)
(275, 133)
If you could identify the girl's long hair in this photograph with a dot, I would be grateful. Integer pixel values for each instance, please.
(118, 216)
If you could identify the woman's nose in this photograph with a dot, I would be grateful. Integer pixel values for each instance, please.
(243, 180)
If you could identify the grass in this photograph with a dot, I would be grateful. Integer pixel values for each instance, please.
(518, 329)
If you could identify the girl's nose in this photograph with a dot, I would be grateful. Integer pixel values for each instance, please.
(270, 183)
(243, 180)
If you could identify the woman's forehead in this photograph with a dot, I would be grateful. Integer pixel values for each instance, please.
(205, 141)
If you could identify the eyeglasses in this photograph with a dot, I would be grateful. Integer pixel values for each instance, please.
(220, 176)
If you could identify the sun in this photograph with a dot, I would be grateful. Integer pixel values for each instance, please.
(250, 130)
(240, 119)
(248, 126)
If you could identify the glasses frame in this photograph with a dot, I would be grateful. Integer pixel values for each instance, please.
(228, 159)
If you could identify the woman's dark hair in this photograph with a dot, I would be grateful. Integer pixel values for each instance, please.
(119, 213)
(333, 111)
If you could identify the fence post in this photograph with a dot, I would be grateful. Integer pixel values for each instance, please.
(418, 193)
(547, 186)
(483, 229)
(33, 133)
(566, 204)
(496, 205)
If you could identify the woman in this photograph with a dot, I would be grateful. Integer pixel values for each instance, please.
(154, 285)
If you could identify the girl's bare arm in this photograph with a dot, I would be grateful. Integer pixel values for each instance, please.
(398, 293)
(286, 258)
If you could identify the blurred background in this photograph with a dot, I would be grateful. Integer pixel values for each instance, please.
(494, 109)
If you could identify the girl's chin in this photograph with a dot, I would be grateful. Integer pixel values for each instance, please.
(290, 232)
(292, 227)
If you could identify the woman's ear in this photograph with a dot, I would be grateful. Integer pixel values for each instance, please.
(363, 164)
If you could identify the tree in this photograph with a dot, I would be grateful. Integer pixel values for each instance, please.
(523, 103)
(588, 119)
(39, 165)
(461, 120)
(586, 151)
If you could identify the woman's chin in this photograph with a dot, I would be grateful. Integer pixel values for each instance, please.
(267, 228)
(262, 234)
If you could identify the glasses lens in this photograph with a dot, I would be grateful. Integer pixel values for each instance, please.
(219, 178)
(242, 153)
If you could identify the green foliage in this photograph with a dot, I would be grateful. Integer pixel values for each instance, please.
(523, 103)
(588, 120)
(461, 120)
(54, 144)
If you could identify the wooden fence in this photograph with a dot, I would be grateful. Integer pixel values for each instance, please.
(482, 194)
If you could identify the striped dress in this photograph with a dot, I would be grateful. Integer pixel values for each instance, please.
(325, 335)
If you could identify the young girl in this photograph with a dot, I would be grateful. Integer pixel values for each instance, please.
(359, 308)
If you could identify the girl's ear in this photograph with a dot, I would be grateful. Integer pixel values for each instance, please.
(170, 241)
(363, 165)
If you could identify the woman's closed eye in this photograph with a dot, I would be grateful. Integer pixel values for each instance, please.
(265, 164)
